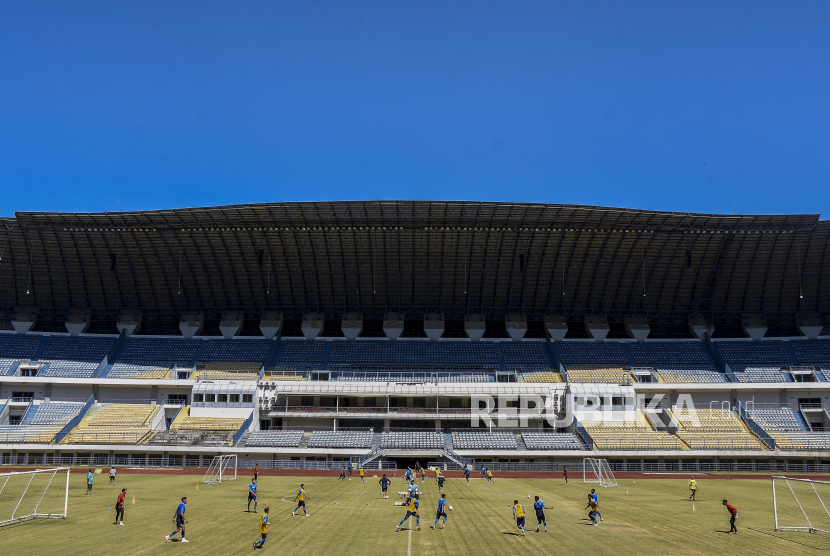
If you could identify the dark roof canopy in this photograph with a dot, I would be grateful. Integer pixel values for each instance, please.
(417, 257)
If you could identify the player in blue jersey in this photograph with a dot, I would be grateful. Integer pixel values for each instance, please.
(412, 489)
(180, 521)
(540, 508)
(252, 495)
(350, 471)
(411, 510)
(384, 486)
(467, 474)
(593, 503)
(300, 499)
(89, 483)
(441, 512)
(342, 474)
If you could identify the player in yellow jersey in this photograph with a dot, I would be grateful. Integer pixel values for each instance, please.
(362, 478)
(693, 488)
(411, 510)
(519, 515)
(263, 528)
(300, 499)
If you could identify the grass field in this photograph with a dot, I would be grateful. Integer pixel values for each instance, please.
(653, 517)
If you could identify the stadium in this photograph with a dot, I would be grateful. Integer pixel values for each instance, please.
(381, 335)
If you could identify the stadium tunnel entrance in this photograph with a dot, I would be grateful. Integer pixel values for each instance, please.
(406, 462)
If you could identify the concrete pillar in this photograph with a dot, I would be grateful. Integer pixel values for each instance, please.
(271, 324)
(313, 325)
(597, 327)
(637, 328)
(129, 321)
(352, 325)
(556, 327)
(192, 323)
(393, 325)
(516, 326)
(24, 319)
(231, 323)
(809, 324)
(699, 326)
(434, 326)
(474, 326)
(77, 321)
(754, 326)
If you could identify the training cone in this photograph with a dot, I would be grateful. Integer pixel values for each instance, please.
(133, 499)
(197, 486)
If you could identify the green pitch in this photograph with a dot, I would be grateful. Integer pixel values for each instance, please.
(348, 517)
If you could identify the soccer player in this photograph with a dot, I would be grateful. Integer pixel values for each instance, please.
(467, 474)
(734, 513)
(342, 474)
(490, 478)
(565, 472)
(483, 472)
(89, 483)
(540, 508)
(412, 489)
(362, 478)
(692, 487)
(263, 527)
(408, 474)
(256, 472)
(112, 475)
(300, 499)
(350, 471)
(593, 503)
(180, 521)
(119, 507)
(440, 483)
(437, 474)
(519, 515)
(411, 510)
(442, 502)
(384, 485)
(423, 475)
(252, 495)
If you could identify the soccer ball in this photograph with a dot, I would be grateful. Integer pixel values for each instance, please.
(450, 508)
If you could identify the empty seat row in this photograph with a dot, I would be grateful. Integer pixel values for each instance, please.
(778, 418)
(524, 352)
(656, 353)
(414, 440)
(811, 351)
(130, 370)
(476, 440)
(752, 353)
(160, 351)
(413, 352)
(541, 376)
(302, 350)
(589, 373)
(761, 374)
(253, 350)
(552, 441)
(78, 348)
(411, 376)
(68, 369)
(275, 439)
(341, 439)
(690, 374)
(591, 353)
(23, 346)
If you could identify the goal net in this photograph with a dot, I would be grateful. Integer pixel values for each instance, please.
(43, 493)
(598, 471)
(801, 505)
(222, 468)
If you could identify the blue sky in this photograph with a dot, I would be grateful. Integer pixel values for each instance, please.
(681, 106)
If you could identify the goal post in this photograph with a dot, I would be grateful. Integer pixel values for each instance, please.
(26, 495)
(801, 505)
(598, 471)
(220, 470)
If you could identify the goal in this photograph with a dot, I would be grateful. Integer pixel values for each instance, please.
(801, 505)
(220, 470)
(598, 471)
(25, 495)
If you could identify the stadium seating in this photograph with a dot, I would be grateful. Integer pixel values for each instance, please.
(341, 439)
(41, 425)
(78, 348)
(248, 351)
(777, 418)
(19, 346)
(481, 440)
(552, 441)
(130, 370)
(223, 375)
(739, 354)
(273, 439)
(689, 374)
(115, 423)
(7, 364)
(159, 352)
(67, 369)
(411, 376)
(541, 376)
(762, 374)
(412, 440)
(658, 353)
(630, 435)
(414, 353)
(214, 424)
(524, 353)
(811, 352)
(706, 428)
(302, 351)
(591, 353)
(600, 373)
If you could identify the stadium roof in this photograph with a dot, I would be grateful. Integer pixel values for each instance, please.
(417, 257)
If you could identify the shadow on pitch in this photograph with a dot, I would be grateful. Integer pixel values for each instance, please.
(786, 539)
(511, 534)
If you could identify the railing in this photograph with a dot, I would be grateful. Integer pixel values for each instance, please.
(86, 437)
(18, 399)
(244, 428)
(638, 444)
(584, 434)
(722, 444)
(754, 427)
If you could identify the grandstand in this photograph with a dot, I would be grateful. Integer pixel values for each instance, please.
(259, 341)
